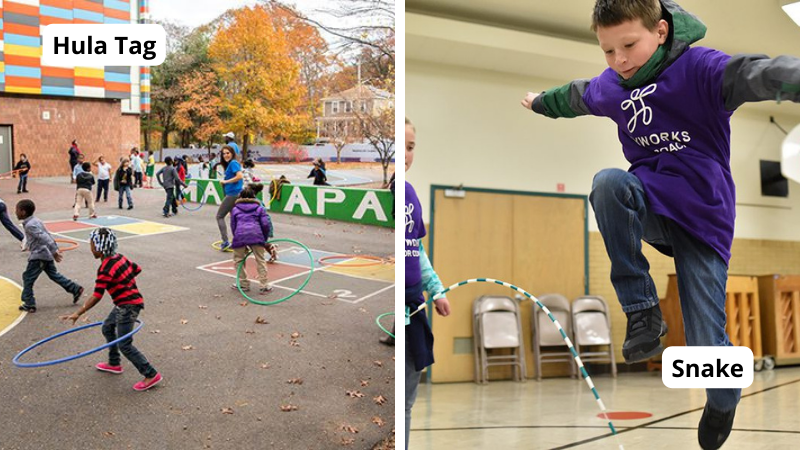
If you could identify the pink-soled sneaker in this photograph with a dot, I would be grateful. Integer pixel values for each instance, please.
(108, 368)
(142, 386)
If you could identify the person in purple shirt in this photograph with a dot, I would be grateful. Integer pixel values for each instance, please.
(672, 104)
(419, 277)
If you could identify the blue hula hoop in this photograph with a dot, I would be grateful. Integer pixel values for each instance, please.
(79, 355)
(183, 194)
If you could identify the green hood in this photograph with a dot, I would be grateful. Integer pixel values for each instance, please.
(684, 29)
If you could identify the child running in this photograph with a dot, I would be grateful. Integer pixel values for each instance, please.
(44, 255)
(23, 166)
(251, 227)
(672, 104)
(117, 274)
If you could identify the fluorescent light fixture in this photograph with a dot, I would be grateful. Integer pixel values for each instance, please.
(792, 8)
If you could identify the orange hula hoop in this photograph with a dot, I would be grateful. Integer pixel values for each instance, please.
(374, 260)
(73, 244)
(9, 175)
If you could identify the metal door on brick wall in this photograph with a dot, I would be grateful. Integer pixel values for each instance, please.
(6, 155)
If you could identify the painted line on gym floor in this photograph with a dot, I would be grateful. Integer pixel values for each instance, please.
(22, 314)
(524, 427)
(647, 424)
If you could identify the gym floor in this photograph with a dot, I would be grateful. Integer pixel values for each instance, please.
(229, 366)
(562, 413)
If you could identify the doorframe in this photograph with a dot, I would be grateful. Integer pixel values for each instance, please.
(439, 187)
(11, 142)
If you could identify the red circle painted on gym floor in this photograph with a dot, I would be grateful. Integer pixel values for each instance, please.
(625, 415)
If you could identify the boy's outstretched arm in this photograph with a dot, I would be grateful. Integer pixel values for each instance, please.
(756, 78)
(563, 101)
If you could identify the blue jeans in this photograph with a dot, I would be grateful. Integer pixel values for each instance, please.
(125, 189)
(170, 202)
(32, 272)
(120, 322)
(23, 183)
(624, 219)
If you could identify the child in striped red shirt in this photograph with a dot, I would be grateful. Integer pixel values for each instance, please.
(117, 275)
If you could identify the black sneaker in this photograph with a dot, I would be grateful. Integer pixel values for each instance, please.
(30, 309)
(715, 427)
(76, 296)
(130, 207)
(643, 337)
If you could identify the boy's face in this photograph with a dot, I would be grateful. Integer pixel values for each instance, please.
(96, 253)
(411, 142)
(20, 214)
(629, 45)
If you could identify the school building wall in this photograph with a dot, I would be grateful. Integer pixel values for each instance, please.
(470, 121)
(43, 129)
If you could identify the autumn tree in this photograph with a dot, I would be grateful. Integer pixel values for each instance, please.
(259, 78)
(199, 113)
(377, 128)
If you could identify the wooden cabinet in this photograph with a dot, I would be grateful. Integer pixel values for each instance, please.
(742, 308)
(780, 303)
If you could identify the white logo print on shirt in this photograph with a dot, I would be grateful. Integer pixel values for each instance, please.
(409, 219)
(639, 109)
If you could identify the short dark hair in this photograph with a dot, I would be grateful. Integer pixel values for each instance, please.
(87, 166)
(168, 160)
(608, 13)
(27, 206)
(251, 190)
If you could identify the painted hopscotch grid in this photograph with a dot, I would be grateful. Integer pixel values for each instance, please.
(124, 227)
(291, 269)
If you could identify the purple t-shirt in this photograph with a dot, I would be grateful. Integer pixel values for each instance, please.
(415, 230)
(675, 132)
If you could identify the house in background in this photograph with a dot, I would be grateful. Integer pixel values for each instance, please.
(340, 111)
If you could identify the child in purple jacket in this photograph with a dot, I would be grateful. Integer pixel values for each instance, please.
(251, 226)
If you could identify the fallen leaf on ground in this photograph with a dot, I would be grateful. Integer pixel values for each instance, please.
(333, 296)
(347, 441)
(265, 366)
(184, 321)
(261, 320)
(354, 394)
(364, 383)
(227, 410)
(187, 347)
(377, 363)
(378, 421)
(295, 335)
(380, 400)
(202, 306)
(288, 408)
(156, 331)
(109, 433)
(294, 343)
(349, 428)
(243, 304)
(249, 331)
(295, 381)
(217, 295)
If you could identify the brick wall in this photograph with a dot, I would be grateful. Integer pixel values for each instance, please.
(98, 126)
(750, 257)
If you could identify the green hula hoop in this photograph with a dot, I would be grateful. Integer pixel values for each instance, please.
(378, 321)
(280, 300)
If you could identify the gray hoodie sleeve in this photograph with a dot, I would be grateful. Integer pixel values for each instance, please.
(756, 78)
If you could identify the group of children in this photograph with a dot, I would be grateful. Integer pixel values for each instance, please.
(116, 274)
